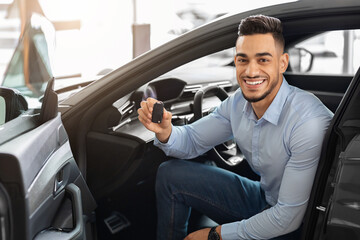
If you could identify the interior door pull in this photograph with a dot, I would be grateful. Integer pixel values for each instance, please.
(75, 194)
(59, 181)
(78, 233)
(62, 179)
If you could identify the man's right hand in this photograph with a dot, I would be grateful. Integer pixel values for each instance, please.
(163, 129)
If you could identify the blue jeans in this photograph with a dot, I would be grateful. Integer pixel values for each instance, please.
(221, 195)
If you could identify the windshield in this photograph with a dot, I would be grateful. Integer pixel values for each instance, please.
(30, 68)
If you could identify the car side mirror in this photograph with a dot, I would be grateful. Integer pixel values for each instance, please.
(12, 104)
(301, 60)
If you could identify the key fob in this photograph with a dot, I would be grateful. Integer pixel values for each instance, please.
(157, 113)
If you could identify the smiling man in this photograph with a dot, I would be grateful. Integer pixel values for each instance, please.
(279, 129)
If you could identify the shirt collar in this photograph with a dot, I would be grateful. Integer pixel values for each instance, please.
(273, 112)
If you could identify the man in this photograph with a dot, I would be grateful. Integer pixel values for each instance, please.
(279, 129)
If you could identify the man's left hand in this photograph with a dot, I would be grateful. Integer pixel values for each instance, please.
(202, 234)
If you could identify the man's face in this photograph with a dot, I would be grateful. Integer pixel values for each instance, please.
(259, 65)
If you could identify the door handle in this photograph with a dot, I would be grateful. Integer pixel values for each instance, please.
(61, 179)
(78, 233)
(75, 195)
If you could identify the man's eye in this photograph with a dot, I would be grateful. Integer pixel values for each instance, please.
(241, 60)
(263, 60)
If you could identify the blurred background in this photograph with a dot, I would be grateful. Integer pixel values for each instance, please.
(97, 36)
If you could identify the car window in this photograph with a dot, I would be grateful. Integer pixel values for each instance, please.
(29, 69)
(332, 52)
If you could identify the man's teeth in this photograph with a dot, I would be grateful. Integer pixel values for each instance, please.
(255, 82)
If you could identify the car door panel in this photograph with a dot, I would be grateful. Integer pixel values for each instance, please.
(111, 161)
(343, 222)
(5, 213)
(36, 169)
(117, 151)
(335, 175)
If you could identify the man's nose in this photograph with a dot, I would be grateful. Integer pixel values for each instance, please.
(252, 69)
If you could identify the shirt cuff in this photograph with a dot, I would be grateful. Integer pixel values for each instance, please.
(170, 142)
(229, 231)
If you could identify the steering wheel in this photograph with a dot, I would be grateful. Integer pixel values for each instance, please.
(226, 154)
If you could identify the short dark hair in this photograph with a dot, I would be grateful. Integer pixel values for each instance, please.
(260, 24)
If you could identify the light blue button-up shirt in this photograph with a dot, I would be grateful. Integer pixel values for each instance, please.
(283, 147)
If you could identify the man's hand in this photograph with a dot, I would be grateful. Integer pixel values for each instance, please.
(163, 129)
(202, 234)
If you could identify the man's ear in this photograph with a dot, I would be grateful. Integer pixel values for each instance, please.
(284, 62)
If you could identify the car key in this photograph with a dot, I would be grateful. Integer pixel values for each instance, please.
(157, 113)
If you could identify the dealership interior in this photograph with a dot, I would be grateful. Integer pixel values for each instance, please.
(97, 36)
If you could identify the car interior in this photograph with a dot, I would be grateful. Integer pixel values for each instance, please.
(116, 153)
(116, 161)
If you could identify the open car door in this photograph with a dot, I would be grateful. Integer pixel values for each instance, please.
(333, 210)
(42, 192)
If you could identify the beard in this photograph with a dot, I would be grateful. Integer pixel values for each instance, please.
(264, 95)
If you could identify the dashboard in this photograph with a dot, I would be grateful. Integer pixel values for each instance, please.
(176, 93)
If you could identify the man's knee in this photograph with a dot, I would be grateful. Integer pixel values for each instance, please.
(170, 173)
(167, 170)
(163, 176)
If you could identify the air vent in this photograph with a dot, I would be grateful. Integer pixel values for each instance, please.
(190, 90)
(223, 84)
(127, 109)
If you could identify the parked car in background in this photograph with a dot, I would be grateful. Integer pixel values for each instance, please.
(79, 165)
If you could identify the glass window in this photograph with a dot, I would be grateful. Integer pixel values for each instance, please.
(30, 69)
(332, 52)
